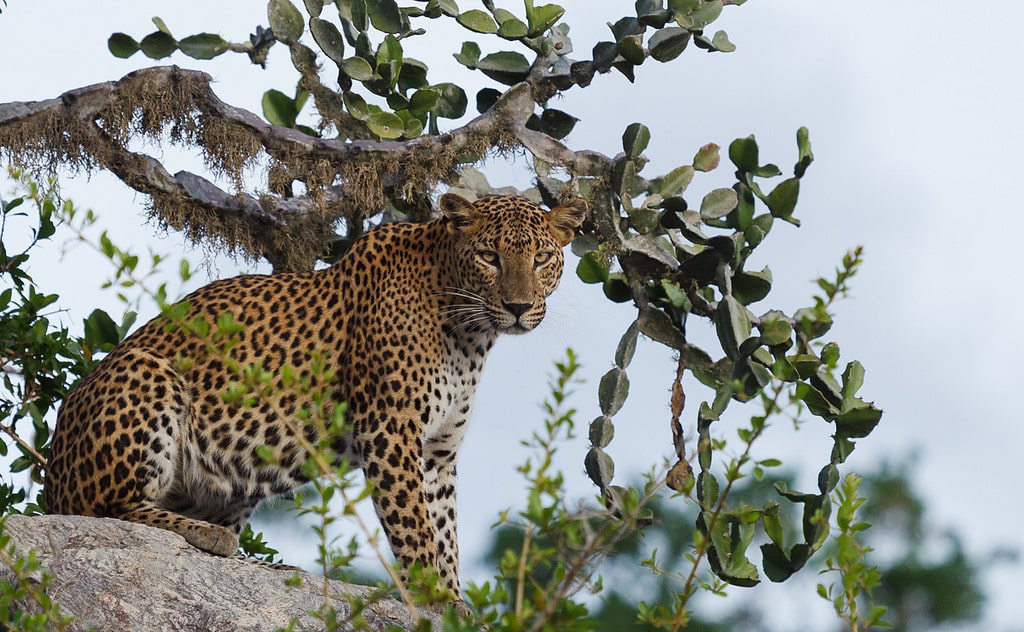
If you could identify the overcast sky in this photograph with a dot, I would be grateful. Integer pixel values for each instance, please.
(914, 110)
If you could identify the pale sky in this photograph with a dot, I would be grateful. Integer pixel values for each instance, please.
(914, 110)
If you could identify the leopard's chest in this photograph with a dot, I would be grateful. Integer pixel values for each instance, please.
(452, 394)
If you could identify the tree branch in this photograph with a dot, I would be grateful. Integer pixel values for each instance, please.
(90, 128)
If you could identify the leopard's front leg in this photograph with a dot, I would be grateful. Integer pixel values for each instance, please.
(391, 463)
(439, 476)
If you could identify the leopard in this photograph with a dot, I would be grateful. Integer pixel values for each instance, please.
(396, 331)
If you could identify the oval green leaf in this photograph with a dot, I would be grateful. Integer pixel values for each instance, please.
(422, 101)
(601, 431)
(513, 29)
(158, 45)
(632, 49)
(314, 7)
(279, 108)
(706, 158)
(285, 20)
(600, 467)
(469, 54)
(328, 38)
(122, 45)
(358, 68)
(386, 16)
(356, 105)
(718, 203)
(668, 43)
(542, 18)
(478, 21)
(635, 139)
(386, 125)
(453, 101)
(203, 45)
(506, 67)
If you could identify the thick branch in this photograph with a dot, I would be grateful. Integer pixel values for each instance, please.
(91, 127)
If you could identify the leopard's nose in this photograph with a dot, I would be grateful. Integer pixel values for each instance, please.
(517, 309)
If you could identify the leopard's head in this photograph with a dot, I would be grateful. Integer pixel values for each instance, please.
(508, 257)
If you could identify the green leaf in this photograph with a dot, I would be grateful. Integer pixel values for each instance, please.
(635, 139)
(782, 200)
(733, 326)
(512, 29)
(329, 39)
(358, 68)
(101, 331)
(448, 7)
(386, 125)
(541, 18)
(651, 13)
(718, 203)
(616, 289)
(600, 467)
(658, 326)
(858, 422)
(817, 403)
(353, 16)
(675, 181)
(625, 180)
(453, 102)
(506, 67)
(806, 156)
(644, 220)
(706, 158)
(122, 45)
(386, 16)
(486, 98)
(775, 563)
(592, 268)
(706, 13)
(314, 7)
(477, 20)
(285, 20)
(469, 55)
(422, 101)
(775, 330)
(721, 42)
(613, 390)
(743, 153)
(161, 26)
(707, 489)
(413, 128)
(601, 431)
(676, 295)
(632, 50)
(627, 345)
(158, 45)
(279, 108)
(389, 59)
(751, 287)
(668, 43)
(356, 105)
(203, 45)
(556, 123)
(413, 75)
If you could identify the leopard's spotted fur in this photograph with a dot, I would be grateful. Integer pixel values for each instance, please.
(405, 320)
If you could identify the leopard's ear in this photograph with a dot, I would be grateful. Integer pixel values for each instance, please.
(566, 219)
(459, 210)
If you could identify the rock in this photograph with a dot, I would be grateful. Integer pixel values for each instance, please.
(115, 575)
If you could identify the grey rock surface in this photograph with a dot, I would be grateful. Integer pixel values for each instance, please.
(115, 575)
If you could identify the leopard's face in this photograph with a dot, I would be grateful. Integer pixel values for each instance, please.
(509, 257)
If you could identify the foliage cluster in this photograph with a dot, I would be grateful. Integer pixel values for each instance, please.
(377, 143)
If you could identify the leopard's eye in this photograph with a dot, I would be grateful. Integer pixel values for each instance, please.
(489, 257)
(542, 257)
